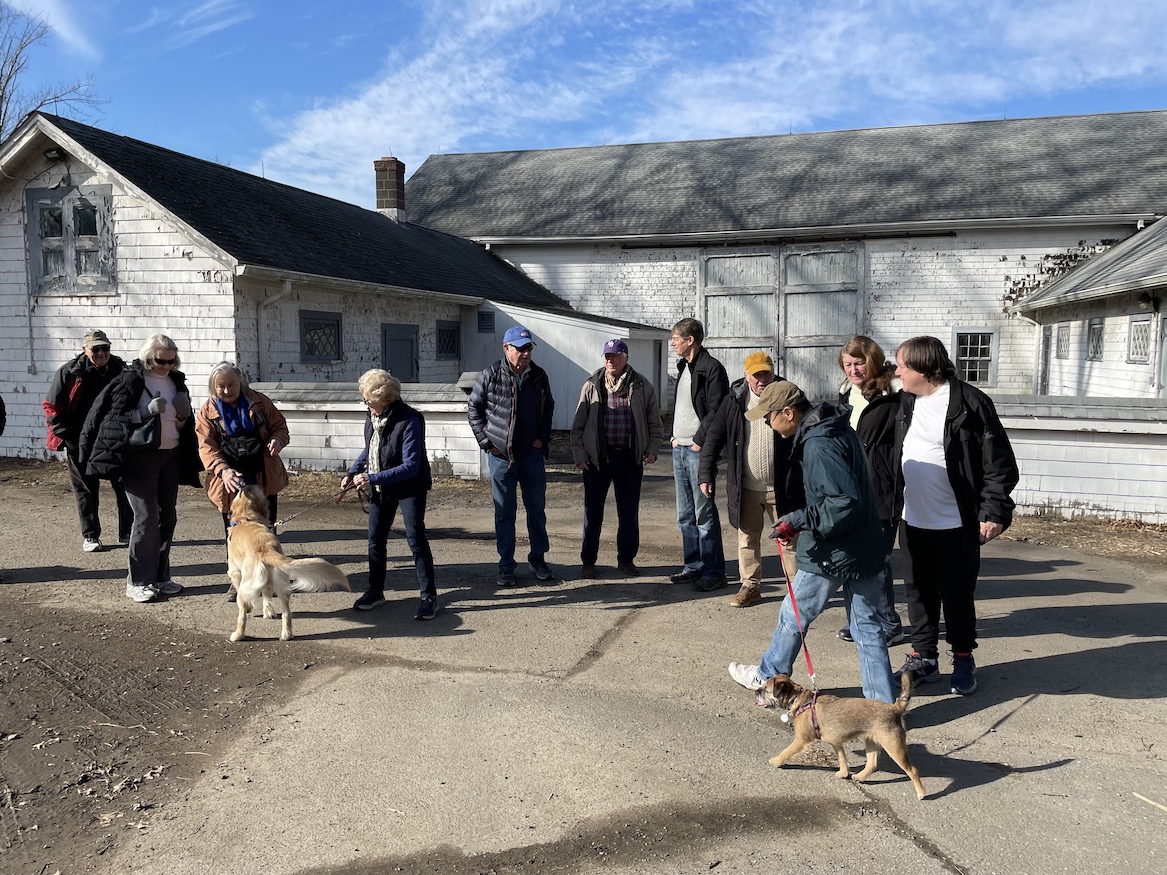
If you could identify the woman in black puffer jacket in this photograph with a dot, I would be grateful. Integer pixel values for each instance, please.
(149, 388)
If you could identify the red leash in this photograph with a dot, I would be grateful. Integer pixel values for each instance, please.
(798, 620)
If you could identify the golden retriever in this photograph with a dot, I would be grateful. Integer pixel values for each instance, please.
(258, 567)
(879, 724)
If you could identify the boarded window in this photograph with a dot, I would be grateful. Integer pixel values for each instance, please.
(449, 339)
(71, 240)
(1094, 340)
(1139, 341)
(320, 336)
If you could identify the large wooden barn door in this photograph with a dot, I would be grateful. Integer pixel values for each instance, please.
(737, 301)
(820, 312)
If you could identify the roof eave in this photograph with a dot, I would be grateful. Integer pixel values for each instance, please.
(1094, 293)
(884, 229)
(275, 274)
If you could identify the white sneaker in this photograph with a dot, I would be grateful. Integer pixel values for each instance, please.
(169, 587)
(141, 593)
(746, 675)
(92, 545)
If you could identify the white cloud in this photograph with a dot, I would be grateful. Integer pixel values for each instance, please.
(503, 74)
(60, 17)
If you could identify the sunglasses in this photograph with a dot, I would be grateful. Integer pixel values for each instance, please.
(159, 361)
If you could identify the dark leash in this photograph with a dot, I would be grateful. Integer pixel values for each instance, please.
(334, 498)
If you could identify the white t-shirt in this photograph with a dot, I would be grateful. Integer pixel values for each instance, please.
(929, 502)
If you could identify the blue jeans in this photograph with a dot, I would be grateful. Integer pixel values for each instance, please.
(381, 514)
(696, 517)
(812, 591)
(889, 620)
(505, 480)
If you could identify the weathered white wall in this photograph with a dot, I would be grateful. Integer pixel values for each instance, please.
(167, 282)
(911, 286)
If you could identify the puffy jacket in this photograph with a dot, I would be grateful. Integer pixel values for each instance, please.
(709, 384)
(110, 420)
(75, 386)
(981, 466)
(588, 443)
(841, 535)
(269, 422)
(726, 434)
(491, 407)
(405, 465)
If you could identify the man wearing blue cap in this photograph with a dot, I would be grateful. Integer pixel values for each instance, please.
(616, 432)
(510, 410)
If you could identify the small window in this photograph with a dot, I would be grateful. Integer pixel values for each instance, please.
(71, 240)
(1094, 339)
(486, 322)
(320, 336)
(449, 340)
(976, 360)
(1063, 348)
(1139, 340)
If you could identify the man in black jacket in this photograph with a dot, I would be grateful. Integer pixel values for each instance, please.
(702, 385)
(958, 471)
(75, 386)
(757, 458)
(510, 411)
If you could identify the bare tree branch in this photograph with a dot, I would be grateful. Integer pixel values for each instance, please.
(20, 34)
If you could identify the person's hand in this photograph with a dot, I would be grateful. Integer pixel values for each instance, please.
(990, 530)
(274, 447)
(157, 406)
(182, 405)
(583, 466)
(537, 444)
(232, 480)
(707, 490)
(784, 532)
(696, 448)
(649, 458)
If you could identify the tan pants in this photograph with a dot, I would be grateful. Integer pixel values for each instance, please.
(755, 509)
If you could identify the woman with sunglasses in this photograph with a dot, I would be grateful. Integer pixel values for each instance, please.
(148, 397)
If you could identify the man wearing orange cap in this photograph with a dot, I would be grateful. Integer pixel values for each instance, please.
(757, 458)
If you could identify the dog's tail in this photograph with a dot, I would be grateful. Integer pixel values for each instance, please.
(313, 575)
(901, 704)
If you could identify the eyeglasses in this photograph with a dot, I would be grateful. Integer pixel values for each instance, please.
(159, 361)
(99, 350)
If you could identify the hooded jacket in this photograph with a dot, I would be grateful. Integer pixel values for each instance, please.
(978, 455)
(840, 531)
(102, 450)
(75, 387)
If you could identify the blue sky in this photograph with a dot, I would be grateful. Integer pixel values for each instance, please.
(310, 93)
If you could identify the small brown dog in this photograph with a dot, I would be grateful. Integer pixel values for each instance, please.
(842, 720)
(259, 569)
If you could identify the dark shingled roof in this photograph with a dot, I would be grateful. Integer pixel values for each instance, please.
(267, 224)
(1087, 165)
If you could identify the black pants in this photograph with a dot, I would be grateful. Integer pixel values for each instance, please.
(945, 565)
(87, 491)
(624, 472)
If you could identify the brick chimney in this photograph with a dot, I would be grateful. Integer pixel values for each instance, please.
(390, 175)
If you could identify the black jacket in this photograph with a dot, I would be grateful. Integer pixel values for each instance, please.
(491, 407)
(877, 433)
(981, 466)
(709, 386)
(404, 464)
(75, 387)
(726, 433)
(102, 451)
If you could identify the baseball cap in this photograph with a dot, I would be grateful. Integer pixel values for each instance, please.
(777, 396)
(96, 337)
(615, 345)
(759, 361)
(518, 336)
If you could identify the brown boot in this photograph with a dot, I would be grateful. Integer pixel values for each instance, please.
(749, 594)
